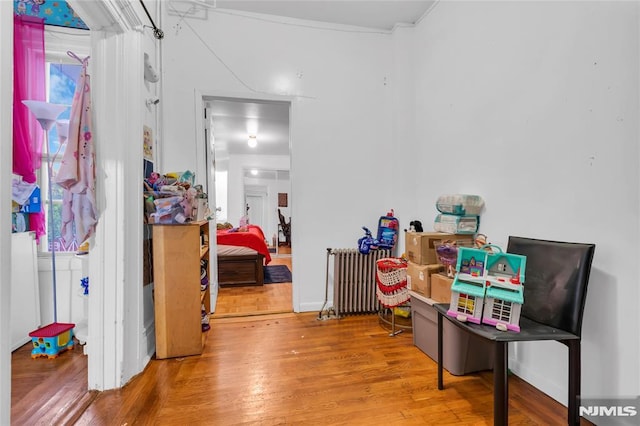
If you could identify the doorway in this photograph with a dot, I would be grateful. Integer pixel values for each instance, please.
(250, 148)
(33, 384)
(255, 202)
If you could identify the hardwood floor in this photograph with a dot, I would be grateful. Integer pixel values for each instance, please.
(48, 391)
(257, 300)
(275, 369)
(296, 369)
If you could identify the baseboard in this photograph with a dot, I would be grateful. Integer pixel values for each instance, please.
(539, 381)
(149, 337)
(310, 307)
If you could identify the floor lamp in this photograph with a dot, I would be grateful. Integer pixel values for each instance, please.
(47, 113)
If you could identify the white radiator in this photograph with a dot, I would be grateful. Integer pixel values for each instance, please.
(354, 281)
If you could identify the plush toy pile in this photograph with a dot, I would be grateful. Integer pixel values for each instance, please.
(173, 198)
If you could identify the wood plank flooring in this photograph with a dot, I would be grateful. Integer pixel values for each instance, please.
(296, 369)
(257, 300)
(260, 369)
(48, 391)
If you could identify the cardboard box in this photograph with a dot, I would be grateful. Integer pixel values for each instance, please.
(462, 353)
(441, 288)
(420, 247)
(419, 277)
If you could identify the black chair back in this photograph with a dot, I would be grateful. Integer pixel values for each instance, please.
(556, 278)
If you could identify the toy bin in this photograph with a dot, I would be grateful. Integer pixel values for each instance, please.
(463, 353)
(51, 340)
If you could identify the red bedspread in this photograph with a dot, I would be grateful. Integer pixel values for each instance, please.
(253, 238)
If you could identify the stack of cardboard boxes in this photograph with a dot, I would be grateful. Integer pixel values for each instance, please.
(428, 284)
(424, 269)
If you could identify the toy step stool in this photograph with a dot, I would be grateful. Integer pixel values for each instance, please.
(51, 340)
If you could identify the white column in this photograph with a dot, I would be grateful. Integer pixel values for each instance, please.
(115, 264)
(115, 335)
(6, 165)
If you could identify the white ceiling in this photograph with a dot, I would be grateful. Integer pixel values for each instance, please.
(378, 14)
(234, 120)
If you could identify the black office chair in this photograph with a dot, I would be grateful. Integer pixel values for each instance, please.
(285, 227)
(555, 290)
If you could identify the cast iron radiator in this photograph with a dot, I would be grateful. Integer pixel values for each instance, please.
(354, 281)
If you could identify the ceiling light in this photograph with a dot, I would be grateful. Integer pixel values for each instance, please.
(254, 172)
(253, 141)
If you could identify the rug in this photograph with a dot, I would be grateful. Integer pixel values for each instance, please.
(277, 274)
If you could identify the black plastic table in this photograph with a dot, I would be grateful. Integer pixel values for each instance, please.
(529, 331)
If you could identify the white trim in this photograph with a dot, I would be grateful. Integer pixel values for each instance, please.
(427, 12)
(59, 40)
(200, 98)
(6, 164)
(116, 257)
(110, 16)
(116, 332)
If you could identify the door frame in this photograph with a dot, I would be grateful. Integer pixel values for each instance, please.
(263, 200)
(205, 164)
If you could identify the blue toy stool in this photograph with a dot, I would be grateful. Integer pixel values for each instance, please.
(51, 340)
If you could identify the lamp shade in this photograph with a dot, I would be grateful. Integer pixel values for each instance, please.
(62, 126)
(46, 113)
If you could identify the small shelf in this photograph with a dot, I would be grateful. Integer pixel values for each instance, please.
(178, 251)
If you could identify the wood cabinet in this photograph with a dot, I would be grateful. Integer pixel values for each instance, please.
(180, 258)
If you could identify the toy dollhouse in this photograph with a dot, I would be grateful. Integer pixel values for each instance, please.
(504, 291)
(488, 288)
(468, 287)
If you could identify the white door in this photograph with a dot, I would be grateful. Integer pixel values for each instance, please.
(212, 199)
(255, 205)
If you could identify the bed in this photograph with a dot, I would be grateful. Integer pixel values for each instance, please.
(241, 257)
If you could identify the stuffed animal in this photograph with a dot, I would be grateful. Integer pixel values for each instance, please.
(188, 202)
(447, 253)
(415, 226)
(367, 243)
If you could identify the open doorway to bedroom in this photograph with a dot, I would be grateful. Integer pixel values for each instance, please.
(251, 162)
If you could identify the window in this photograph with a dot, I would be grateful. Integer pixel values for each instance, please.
(62, 73)
(466, 303)
(501, 310)
(61, 84)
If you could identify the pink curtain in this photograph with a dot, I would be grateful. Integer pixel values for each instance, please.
(28, 84)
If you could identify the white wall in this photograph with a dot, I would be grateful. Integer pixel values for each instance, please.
(6, 153)
(238, 164)
(531, 105)
(534, 106)
(403, 182)
(71, 303)
(343, 155)
(271, 188)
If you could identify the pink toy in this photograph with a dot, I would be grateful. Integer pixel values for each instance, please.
(188, 203)
(153, 177)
